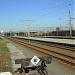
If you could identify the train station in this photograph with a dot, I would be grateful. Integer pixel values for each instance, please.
(37, 37)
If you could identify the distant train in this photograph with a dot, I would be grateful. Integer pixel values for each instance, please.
(53, 33)
(59, 33)
(63, 33)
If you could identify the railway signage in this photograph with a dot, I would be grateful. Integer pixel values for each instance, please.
(35, 60)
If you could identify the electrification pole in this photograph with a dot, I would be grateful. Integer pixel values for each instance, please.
(70, 25)
(29, 26)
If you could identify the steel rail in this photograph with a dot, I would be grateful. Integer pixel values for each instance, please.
(56, 55)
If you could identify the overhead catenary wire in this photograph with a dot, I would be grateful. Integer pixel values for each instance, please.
(47, 12)
(53, 11)
(64, 5)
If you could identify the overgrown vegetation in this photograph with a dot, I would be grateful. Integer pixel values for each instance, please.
(5, 60)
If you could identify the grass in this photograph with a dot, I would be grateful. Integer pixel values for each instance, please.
(5, 60)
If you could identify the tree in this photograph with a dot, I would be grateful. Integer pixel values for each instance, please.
(57, 29)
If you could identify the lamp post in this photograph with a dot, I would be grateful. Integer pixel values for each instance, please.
(28, 32)
(45, 30)
(66, 31)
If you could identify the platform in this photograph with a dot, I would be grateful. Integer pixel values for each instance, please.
(70, 42)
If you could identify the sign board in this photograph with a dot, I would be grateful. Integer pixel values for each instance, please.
(35, 60)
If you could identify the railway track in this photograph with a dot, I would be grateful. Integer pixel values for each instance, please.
(55, 45)
(62, 55)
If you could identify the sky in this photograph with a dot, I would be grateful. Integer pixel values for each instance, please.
(17, 15)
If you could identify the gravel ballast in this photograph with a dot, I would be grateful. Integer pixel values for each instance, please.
(15, 54)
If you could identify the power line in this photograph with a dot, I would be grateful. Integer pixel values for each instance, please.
(50, 12)
(53, 10)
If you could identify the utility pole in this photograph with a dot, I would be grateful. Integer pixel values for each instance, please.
(29, 26)
(44, 30)
(70, 25)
